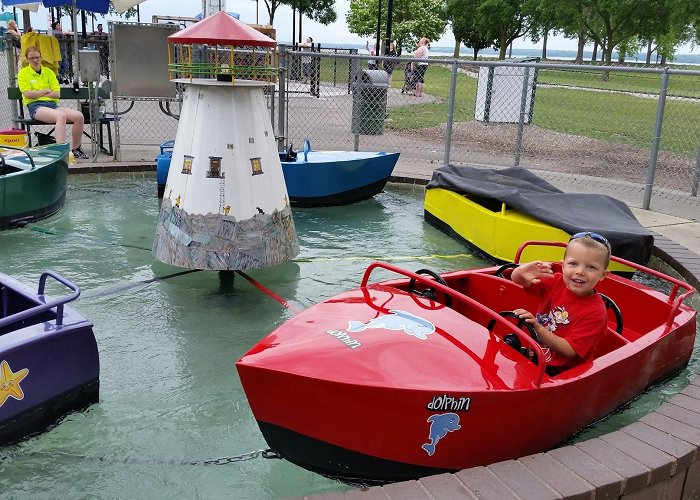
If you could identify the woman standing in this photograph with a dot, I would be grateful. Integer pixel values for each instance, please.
(13, 30)
(40, 92)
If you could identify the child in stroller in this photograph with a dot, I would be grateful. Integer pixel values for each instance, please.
(410, 79)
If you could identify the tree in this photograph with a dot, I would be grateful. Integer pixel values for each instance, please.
(322, 11)
(614, 22)
(464, 26)
(509, 19)
(543, 19)
(412, 20)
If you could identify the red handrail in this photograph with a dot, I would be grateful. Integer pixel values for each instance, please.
(462, 298)
(677, 284)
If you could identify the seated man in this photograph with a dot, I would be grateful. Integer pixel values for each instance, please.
(40, 92)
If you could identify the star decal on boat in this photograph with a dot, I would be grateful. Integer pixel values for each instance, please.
(9, 382)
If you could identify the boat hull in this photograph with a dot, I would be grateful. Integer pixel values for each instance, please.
(370, 403)
(327, 178)
(47, 368)
(32, 192)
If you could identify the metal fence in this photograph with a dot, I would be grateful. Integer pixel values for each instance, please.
(633, 133)
(630, 132)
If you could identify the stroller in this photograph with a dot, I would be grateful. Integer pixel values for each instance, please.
(409, 80)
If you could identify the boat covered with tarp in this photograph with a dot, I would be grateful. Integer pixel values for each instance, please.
(496, 210)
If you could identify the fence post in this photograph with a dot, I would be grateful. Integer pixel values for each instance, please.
(450, 112)
(281, 108)
(12, 75)
(696, 175)
(656, 139)
(521, 122)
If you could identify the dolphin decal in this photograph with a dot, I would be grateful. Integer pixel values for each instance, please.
(440, 425)
(397, 320)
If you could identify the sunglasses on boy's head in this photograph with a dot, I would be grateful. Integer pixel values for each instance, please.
(594, 236)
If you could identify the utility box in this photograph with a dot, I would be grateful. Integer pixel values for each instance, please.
(89, 65)
(500, 90)
(369, 102)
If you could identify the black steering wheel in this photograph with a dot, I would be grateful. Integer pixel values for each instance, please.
(513, 340)
(429, 293)
(521, 323)
(610, 304)
(509, 265)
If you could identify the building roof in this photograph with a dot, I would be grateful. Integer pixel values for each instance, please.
(222, 29)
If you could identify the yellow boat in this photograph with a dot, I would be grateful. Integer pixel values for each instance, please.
(497, 229)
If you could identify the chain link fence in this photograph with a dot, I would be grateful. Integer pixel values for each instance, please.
(633, 133)
(630, 132)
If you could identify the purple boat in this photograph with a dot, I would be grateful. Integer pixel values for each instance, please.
(49, 363)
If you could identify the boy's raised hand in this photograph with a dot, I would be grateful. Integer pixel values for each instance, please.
(532, 272)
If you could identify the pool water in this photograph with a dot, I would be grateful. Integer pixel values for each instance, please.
(170, 398)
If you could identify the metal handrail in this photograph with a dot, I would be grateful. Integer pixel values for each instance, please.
(46, 306)
(672, 297)
(31, 160)
(461, 298)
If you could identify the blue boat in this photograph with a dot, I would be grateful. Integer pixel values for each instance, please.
(324, 178)
(318, 178)
(33, 183)
(49, 363)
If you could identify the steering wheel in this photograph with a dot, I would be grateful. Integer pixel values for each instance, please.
(429, 293)
(521, 323)
(509, 265)
(306, 148)
(512, 339)
(610, 304)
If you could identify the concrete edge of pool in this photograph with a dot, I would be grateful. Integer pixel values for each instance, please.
(655, 457)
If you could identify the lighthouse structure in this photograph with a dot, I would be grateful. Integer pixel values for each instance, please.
(225, 205)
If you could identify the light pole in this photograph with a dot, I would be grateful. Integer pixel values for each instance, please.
(379, 27)
(389, 15)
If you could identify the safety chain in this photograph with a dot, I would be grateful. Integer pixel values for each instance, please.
(268, 453)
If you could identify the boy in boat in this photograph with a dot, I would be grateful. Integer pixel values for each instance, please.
(571, 317)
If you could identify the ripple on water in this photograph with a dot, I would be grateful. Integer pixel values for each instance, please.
(169, 389)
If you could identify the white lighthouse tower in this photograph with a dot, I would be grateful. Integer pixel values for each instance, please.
(225, 205)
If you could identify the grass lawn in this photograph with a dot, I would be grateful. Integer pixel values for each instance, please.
(611, 116)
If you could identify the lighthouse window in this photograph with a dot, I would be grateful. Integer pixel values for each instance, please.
(257, 166)
(214, 167)
(187, 164)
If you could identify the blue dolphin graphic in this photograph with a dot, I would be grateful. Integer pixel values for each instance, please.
(440, 425)
(397, 320)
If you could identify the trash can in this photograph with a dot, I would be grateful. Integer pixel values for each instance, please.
(163, 165)
(499, 92)
(369, 102)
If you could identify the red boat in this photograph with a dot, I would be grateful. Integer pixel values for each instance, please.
(425, 374)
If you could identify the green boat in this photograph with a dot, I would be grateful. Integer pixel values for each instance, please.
(32, 183)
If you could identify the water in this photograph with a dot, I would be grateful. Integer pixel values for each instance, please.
(170, 395)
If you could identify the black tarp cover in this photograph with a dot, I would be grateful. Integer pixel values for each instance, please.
(572, 212)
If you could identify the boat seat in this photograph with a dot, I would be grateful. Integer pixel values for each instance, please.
(608, 343)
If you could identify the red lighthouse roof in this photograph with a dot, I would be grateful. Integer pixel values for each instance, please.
(222, 29)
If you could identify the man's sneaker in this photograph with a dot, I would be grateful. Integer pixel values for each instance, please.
(79, 154)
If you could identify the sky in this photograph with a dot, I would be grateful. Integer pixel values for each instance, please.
(327, 35)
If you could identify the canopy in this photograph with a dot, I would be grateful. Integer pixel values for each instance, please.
(572, 212)
(98, 6)
(235, 15)
(222, 29)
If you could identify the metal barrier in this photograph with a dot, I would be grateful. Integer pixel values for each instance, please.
(631, 132)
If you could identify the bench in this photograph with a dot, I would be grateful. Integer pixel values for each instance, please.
(67, 93)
